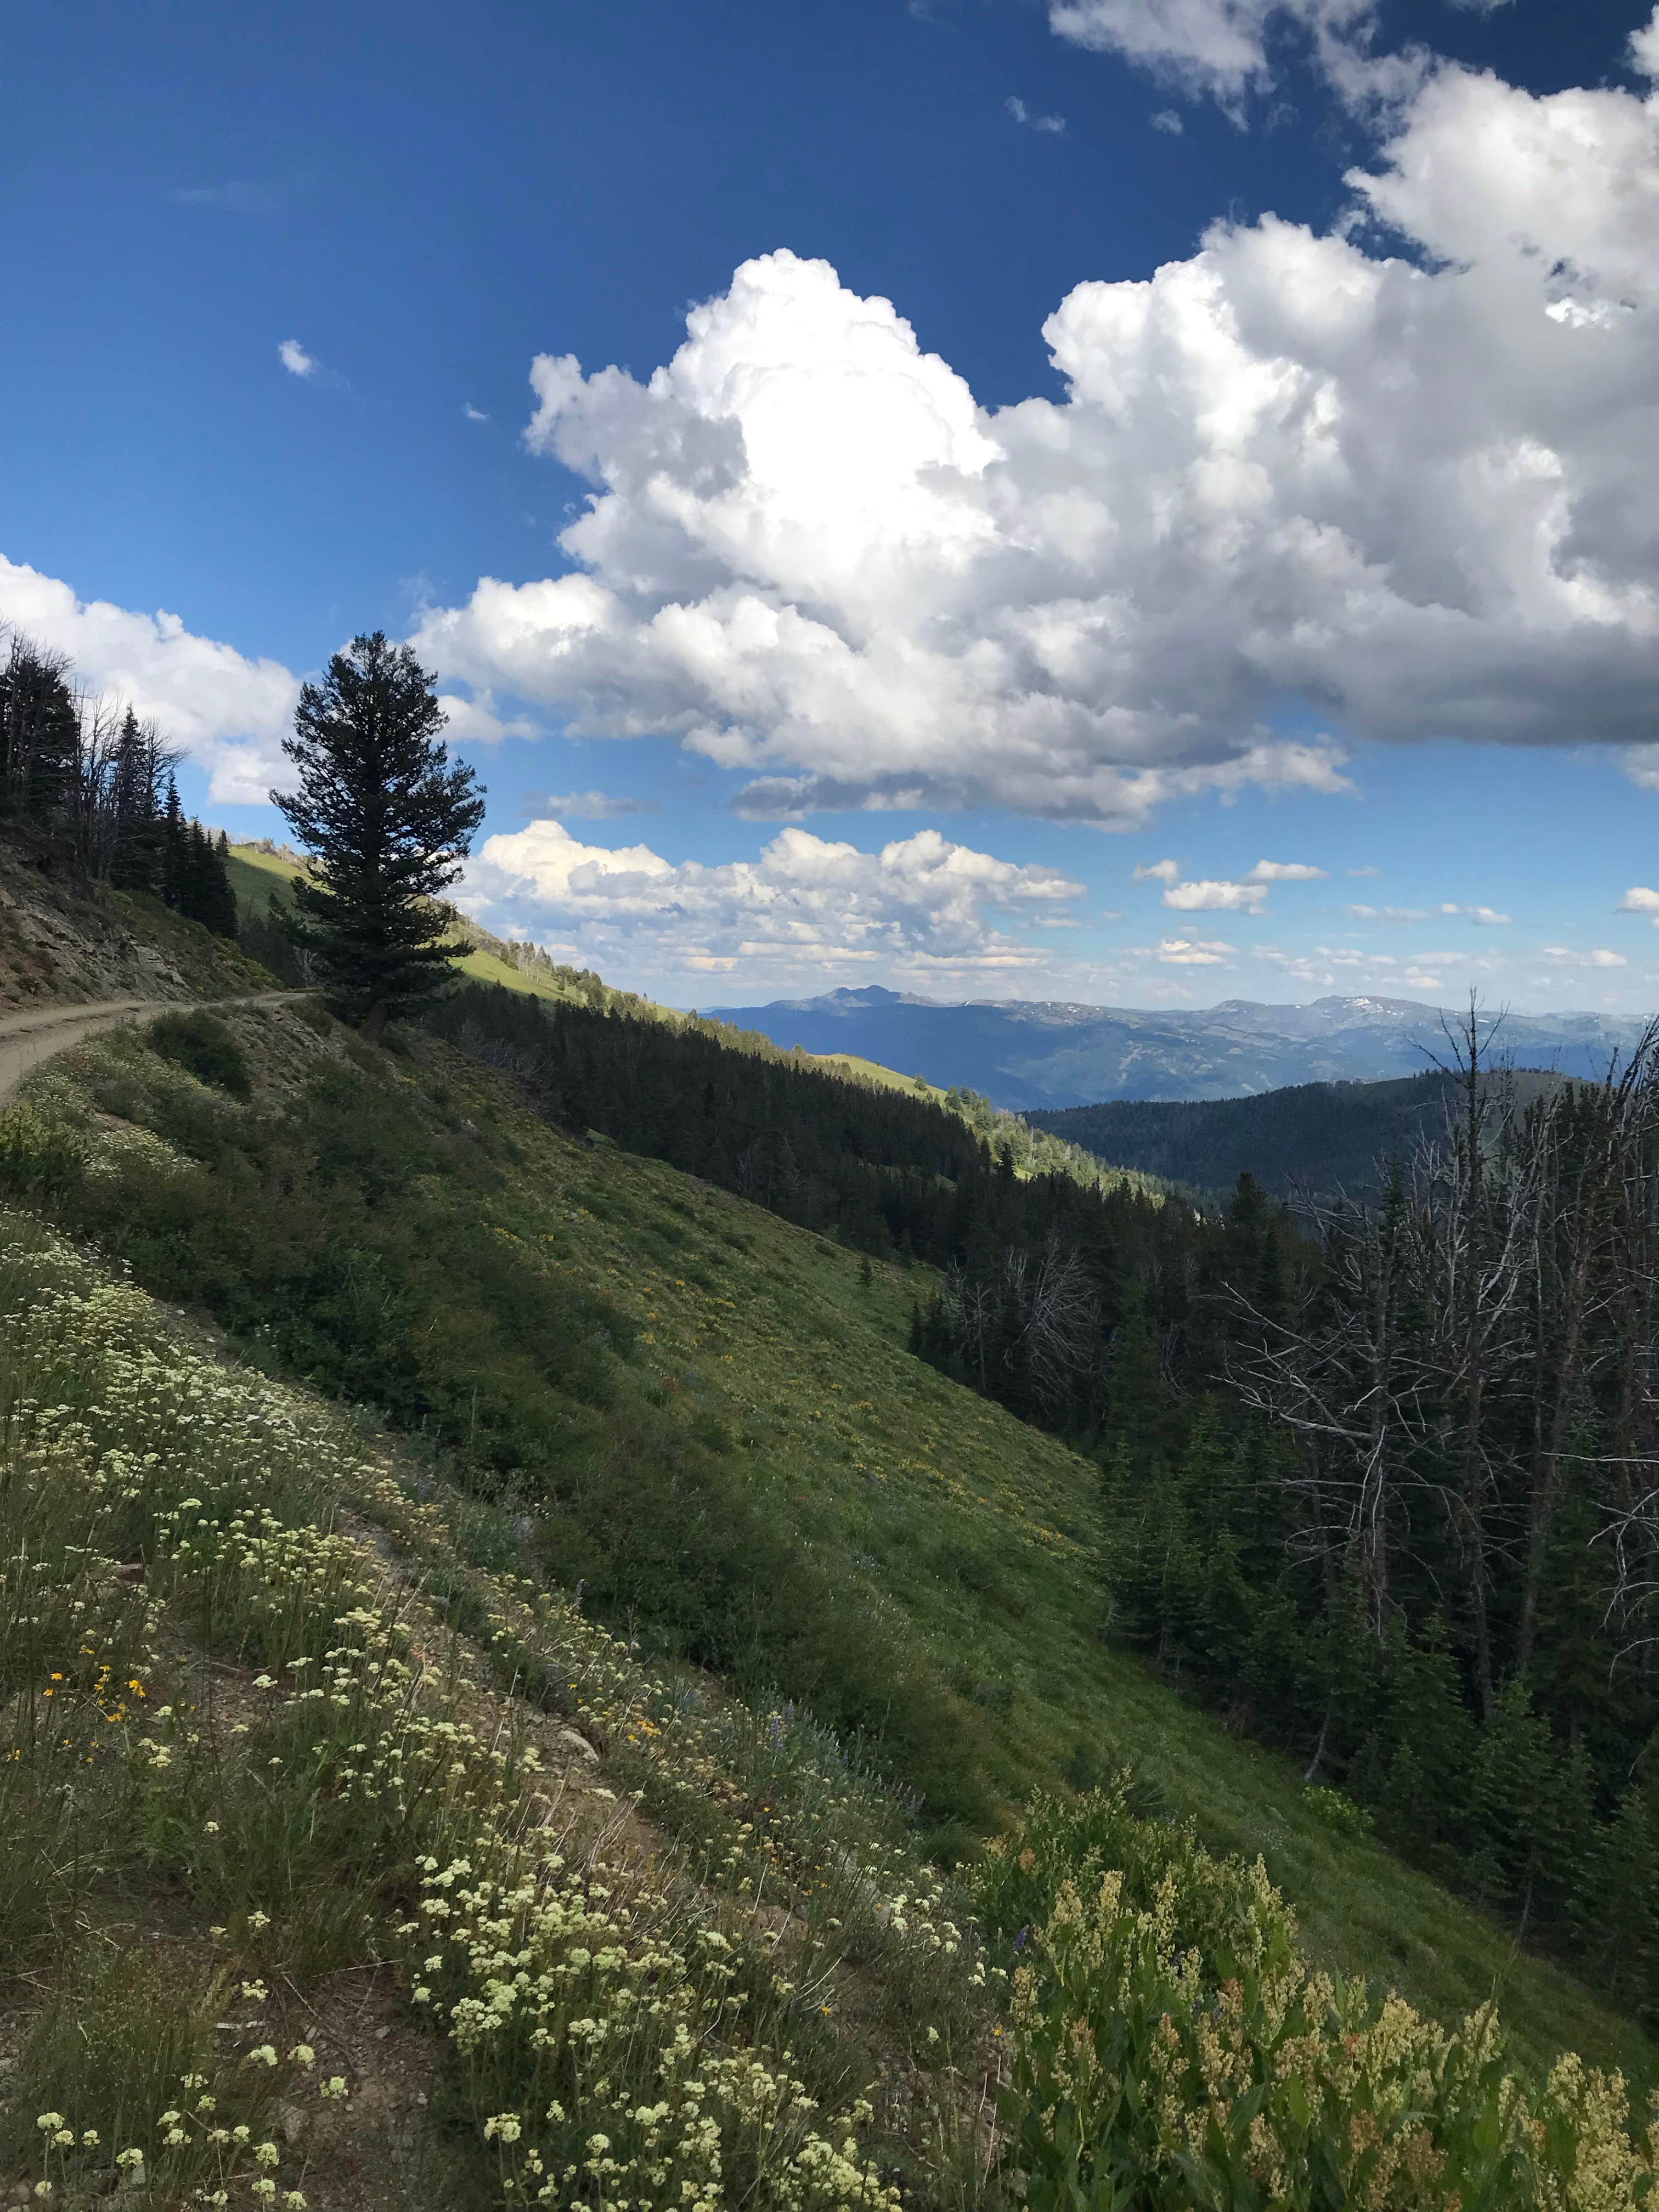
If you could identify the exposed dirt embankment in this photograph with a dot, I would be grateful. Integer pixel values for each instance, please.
(64, 944)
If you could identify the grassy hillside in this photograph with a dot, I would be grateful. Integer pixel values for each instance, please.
(710, 1419)
(294, 1768)
(345, 1862)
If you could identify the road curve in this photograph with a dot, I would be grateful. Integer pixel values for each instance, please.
(26, 1039)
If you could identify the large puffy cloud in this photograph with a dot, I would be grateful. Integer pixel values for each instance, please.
(1419, 490)
(919, 904)
(228, 710)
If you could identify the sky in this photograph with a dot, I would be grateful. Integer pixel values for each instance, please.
(1130, 502)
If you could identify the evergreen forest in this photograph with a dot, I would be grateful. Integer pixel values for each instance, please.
(89, 790)
(1319, 1137)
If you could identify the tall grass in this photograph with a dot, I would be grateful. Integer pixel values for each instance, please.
(225, 1700)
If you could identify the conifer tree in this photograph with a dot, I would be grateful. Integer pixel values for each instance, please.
(39, 736)
(135, 845)
(204, 891)
(175, 848)
(387, 819)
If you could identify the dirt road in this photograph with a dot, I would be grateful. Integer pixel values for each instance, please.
(28, 1038)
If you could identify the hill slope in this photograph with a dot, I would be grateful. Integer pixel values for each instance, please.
(1029, 1055)
(1312, 1136)
(710, 1418)
(64, 943)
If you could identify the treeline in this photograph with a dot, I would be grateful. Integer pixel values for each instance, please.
(1305, 1137)
(1092, 1305)
(91, 789)
(892, 1174)
(1317, 1136)
(1014, 1137)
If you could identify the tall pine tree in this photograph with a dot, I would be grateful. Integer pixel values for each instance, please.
(387, 819)
(40, 737)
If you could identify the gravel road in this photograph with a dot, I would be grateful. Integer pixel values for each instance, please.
(26, 1039)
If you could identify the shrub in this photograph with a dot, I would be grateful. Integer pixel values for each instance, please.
(40, 1156)
(1173, 2051)
(203, 1048)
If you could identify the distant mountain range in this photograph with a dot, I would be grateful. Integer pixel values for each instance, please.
(1030, 1054)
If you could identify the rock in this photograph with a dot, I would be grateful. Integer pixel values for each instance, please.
(573, 1741)
(293, 2122)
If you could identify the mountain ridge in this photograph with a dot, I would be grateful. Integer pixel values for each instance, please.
(1050, 1054)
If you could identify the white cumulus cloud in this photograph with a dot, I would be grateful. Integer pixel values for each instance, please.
(1600, 958)
(1193, 952)
(1224, 47)
(232, 713)
(1285, 871)
(475, 720)
(806, 904)
(1208, 896)
(295, 360)
(1638, 899)
(1288, 466)
(1159, 871)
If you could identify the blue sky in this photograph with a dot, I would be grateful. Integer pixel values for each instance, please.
(911, 643)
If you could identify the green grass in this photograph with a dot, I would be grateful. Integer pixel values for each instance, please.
(255, 876)
(740, 1346)
(873, 1072)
